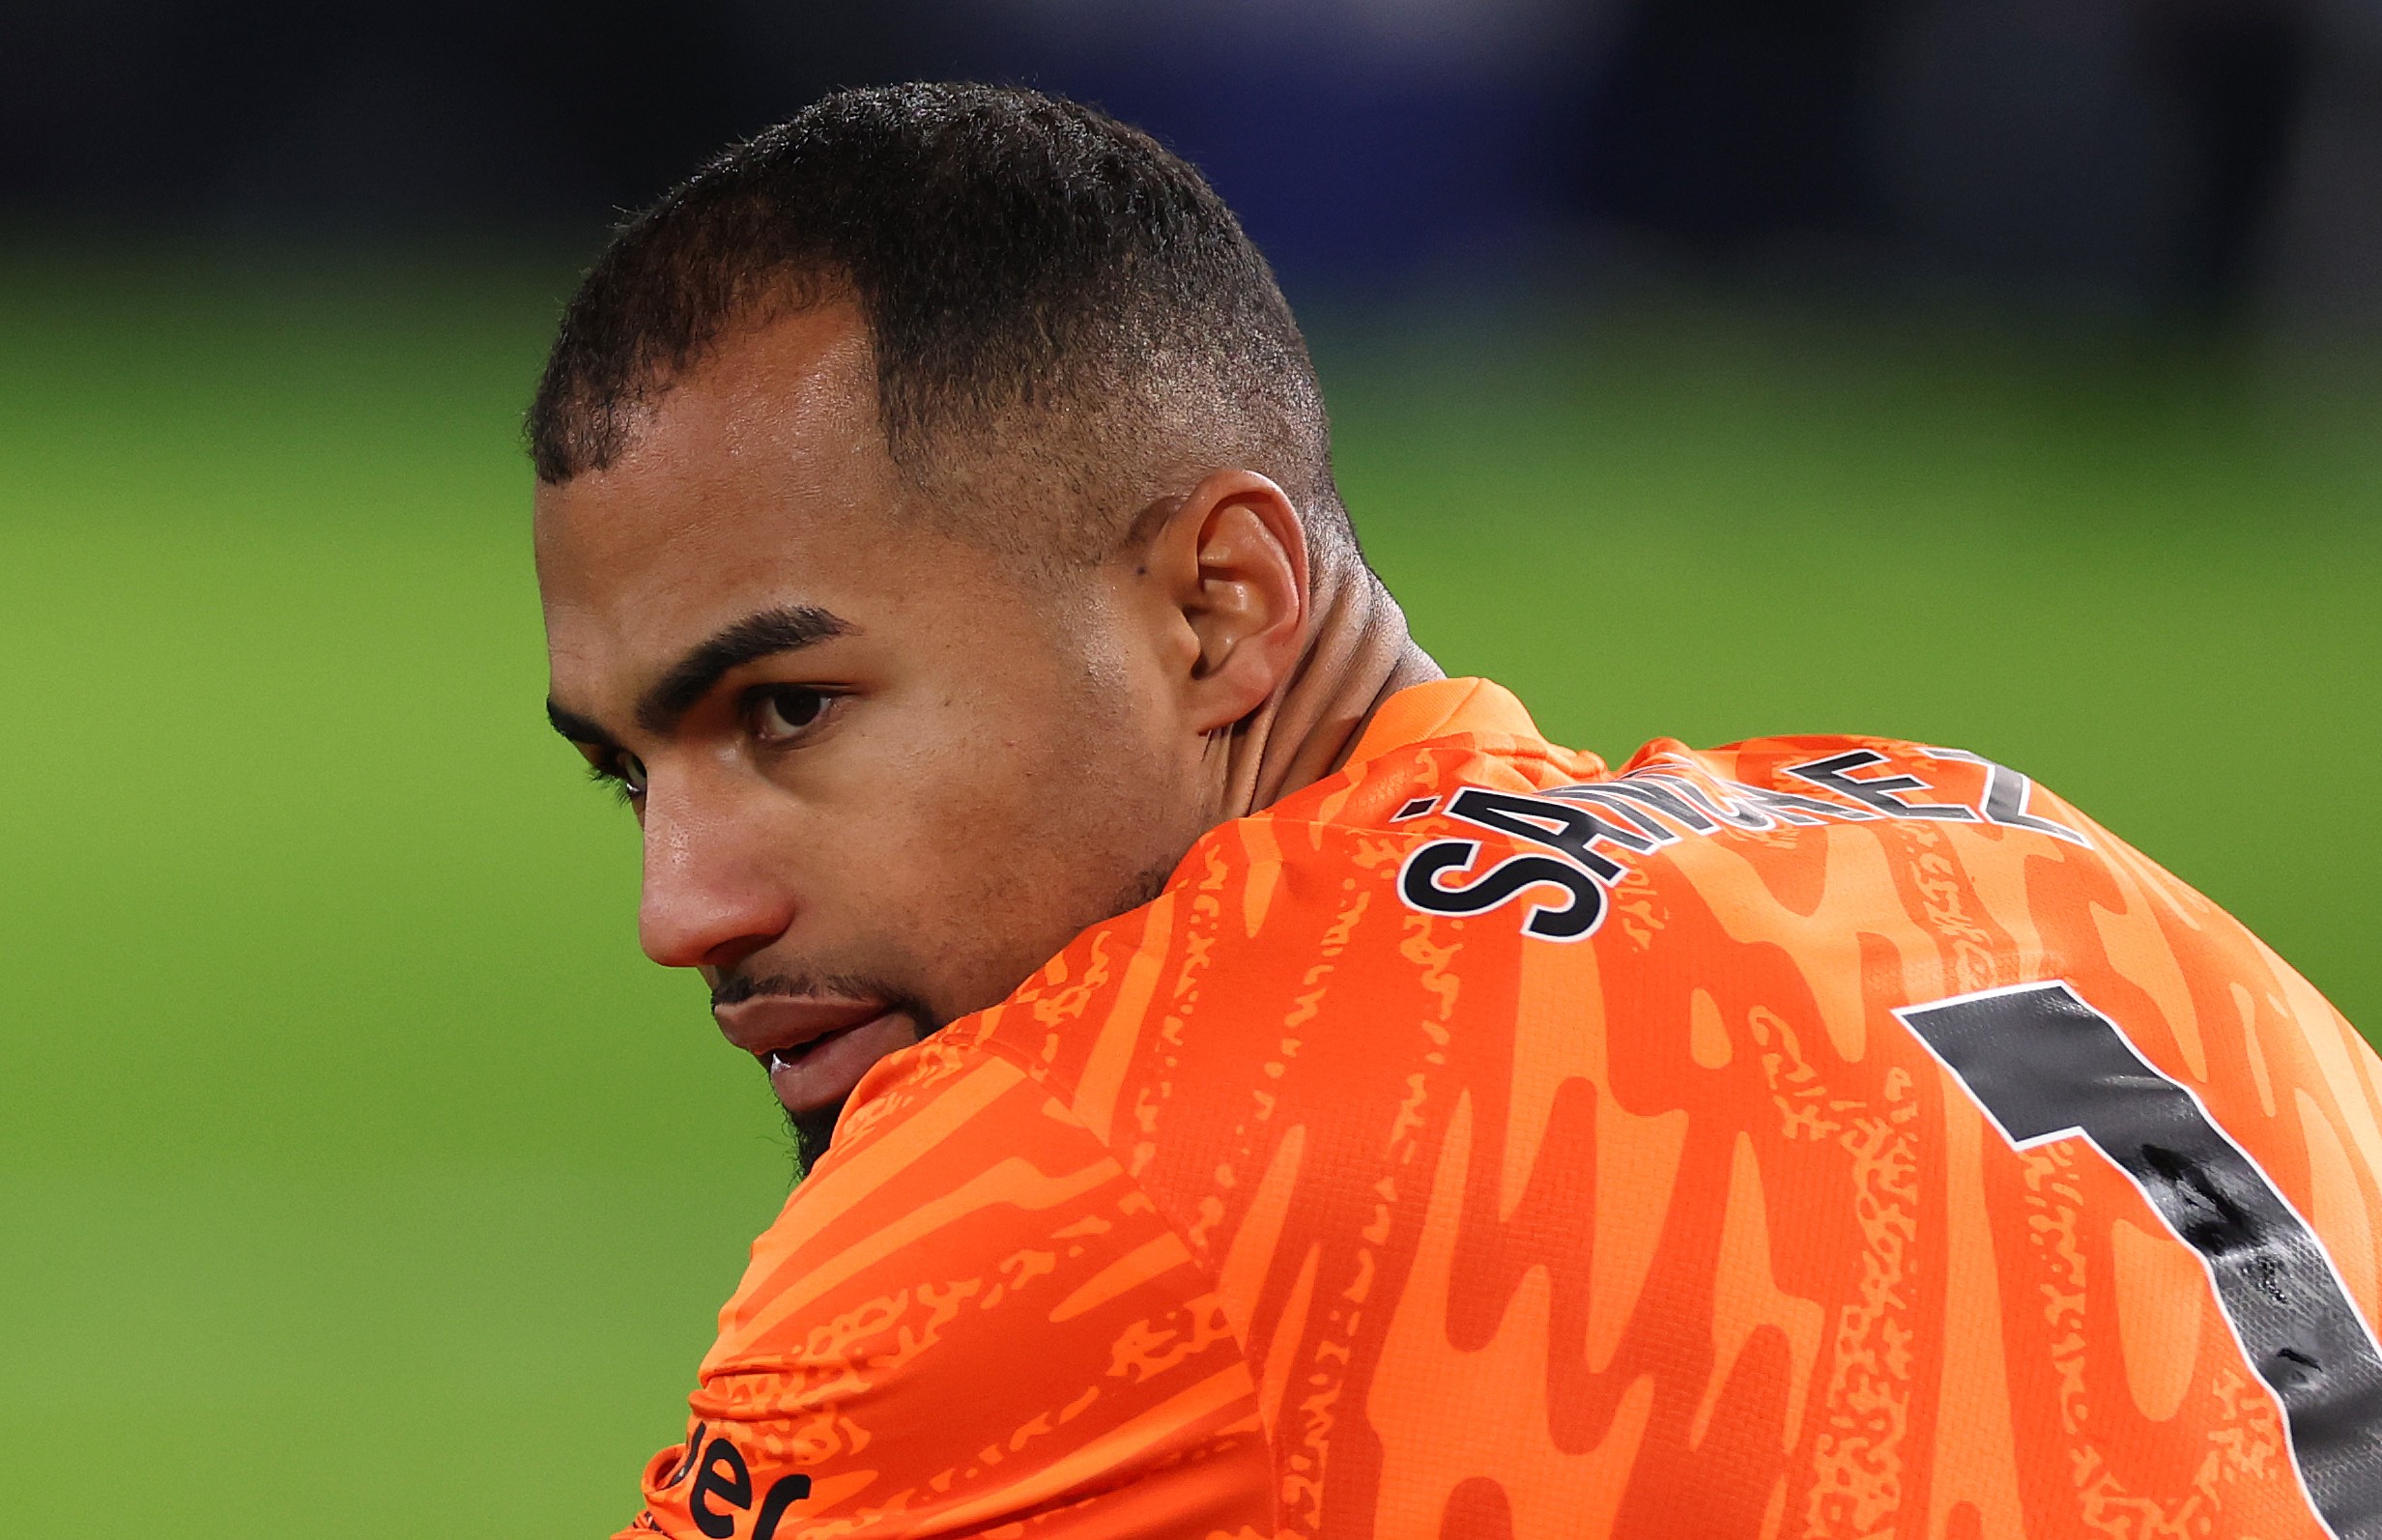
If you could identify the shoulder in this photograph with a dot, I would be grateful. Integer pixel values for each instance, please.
(968, 1312)
(1522, 836)
(954, 1172)
(1454, 870)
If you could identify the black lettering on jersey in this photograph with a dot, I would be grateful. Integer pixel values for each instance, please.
(1835, 774)
(2006, 795)
(1656, 805)
(722, 1477)
(1632, 798)
(2005, 803)
(2045, 1066)
(783, 1495)
(1636, 817)
(1557, 825)
(686, 1463)
(1419, 885)
(1414, 809)
(1788, 806)
(1753, 807)
(1720, 807)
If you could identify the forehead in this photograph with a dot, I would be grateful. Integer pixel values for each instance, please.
(761, 480)
(757, 481)
(770, 441)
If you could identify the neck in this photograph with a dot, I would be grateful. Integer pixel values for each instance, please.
(1357, 655)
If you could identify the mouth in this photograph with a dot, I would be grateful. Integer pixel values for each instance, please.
(814, 1051)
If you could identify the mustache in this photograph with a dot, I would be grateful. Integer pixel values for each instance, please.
(828, 985)
(736, 988)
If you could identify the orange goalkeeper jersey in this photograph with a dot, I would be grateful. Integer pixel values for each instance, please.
(1815, 1137)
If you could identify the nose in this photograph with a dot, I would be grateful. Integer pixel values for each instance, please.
(709, 897)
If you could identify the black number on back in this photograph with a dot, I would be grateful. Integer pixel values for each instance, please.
(2045, 1065)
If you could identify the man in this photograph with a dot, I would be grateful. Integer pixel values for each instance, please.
(1253, 1084)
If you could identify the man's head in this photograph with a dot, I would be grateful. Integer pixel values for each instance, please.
(1065, 322)
(930, 491)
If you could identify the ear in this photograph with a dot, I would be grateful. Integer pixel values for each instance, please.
(1227, 569)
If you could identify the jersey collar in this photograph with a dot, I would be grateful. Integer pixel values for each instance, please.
(1443, 708)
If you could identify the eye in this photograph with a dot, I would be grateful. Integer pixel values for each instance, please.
(775, 713)
(625, 773)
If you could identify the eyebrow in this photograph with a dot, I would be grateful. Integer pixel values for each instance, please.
(762, 634)
(578, 728)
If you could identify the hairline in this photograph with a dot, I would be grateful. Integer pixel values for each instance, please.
(788, 290)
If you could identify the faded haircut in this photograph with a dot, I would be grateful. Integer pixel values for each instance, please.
(1049, 295)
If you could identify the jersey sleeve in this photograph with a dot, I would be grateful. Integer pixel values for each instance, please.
(968, 1320)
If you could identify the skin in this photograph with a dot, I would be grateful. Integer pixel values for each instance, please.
(923, 770)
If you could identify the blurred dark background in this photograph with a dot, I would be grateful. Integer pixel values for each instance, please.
(2219, 160)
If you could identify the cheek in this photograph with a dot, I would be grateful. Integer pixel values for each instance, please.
(1017, 839)
(1068, 828)
(998, 831)
(928, 830)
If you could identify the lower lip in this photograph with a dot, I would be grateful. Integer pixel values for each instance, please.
(824, 1071)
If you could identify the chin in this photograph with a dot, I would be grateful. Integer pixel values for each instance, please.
(813, 1133)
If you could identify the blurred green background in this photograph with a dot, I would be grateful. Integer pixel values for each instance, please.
(1940, 369)
(356, 1175)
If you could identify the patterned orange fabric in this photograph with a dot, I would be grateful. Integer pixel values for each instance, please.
(1483, 1143)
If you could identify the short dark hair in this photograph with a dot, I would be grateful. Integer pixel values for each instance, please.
(1032, 272)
